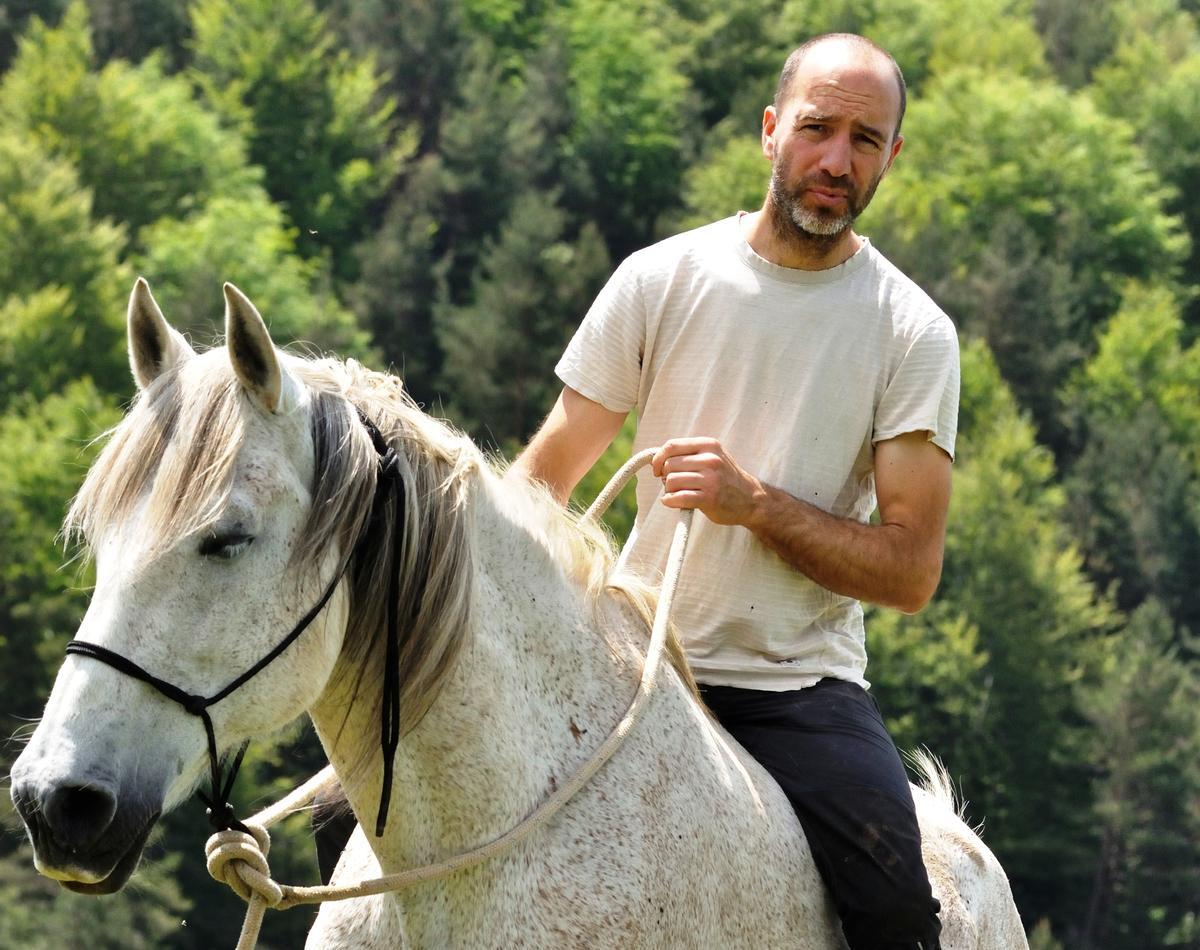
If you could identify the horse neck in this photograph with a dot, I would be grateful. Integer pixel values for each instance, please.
(534, 691)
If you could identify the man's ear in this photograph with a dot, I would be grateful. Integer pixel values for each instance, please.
(899, 140)
(769, 120)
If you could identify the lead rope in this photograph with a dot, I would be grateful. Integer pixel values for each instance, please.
(239, 857)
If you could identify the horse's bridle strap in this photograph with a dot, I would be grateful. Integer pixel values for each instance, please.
(220, 811)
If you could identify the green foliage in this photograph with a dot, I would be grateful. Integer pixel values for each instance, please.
(928, 670)
(245, 241)
(40, 915)
(532, 283)
(1034, 253)
(313, 115)
(1077, 38)
(1159, 69)
(61, 288)
(731, 176)
(1144, 712)
(137, 138)
(929, 37)
(44, 452)
(1015, 616)
(133, 29)
(1135, 487)
(629, 100)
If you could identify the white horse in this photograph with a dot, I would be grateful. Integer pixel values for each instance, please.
(227, 502)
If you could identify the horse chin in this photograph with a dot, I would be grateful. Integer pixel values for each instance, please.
(119, 871)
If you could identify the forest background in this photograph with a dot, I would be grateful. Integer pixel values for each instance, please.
(443, 185)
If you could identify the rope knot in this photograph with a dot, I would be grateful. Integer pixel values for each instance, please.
(240, 861)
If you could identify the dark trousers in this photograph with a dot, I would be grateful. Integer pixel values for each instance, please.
(828, 749)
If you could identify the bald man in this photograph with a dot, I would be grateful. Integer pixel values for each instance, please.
(795, 381)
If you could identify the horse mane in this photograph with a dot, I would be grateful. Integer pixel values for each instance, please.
(177, 456)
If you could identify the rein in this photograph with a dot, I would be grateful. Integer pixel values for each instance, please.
(388, 482)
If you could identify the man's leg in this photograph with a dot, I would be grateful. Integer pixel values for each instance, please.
(828, 749)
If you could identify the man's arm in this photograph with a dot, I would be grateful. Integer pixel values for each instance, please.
(569, 442)
(896, 563)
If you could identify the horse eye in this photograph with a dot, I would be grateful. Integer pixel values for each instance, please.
(225, 546)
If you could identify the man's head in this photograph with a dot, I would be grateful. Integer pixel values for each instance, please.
(831, 134)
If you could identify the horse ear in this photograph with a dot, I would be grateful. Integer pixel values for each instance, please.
(154, 347)
(253, 354)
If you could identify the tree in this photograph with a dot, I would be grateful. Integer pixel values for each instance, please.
(61, 287)
(1033, 253)
(136, 137)
(982, 676)
(313, 116)
(631, 115)
(45, 450)
(244, 240)
(731, 175)
(1133, 412)
(533, 283)
(1158, 66)
(1144, 712)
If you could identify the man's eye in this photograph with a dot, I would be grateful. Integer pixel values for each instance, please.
(225, 546)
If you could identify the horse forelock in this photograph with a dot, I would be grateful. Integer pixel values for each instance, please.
(171, 458)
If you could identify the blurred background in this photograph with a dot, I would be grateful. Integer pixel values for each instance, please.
(441, 186)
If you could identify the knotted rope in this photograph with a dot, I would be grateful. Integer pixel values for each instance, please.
(239, 857)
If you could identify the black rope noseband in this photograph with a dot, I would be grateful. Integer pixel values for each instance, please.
(389, 481)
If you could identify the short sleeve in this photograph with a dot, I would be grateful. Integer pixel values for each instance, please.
(922, 395)
(603, 361)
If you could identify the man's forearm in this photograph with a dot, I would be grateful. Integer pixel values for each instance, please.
(885, 564)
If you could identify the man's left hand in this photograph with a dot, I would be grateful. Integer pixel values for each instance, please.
(699, 473)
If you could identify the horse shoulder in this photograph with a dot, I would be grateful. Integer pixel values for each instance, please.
(362, 923)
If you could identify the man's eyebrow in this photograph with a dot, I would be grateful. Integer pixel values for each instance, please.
(871, 130)
(803, 117)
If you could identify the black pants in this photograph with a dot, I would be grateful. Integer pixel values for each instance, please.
(828, 749)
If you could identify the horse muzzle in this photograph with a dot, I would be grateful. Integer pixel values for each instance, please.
(83, 836)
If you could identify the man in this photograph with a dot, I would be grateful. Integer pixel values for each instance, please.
(792, 377)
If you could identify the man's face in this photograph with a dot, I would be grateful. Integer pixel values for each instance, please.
(831, 141)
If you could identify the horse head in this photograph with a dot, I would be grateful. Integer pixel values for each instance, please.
(195, 514)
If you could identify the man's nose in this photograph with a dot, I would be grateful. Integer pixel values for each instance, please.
(836, 156)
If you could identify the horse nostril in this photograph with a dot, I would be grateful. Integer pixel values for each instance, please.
(77, 815)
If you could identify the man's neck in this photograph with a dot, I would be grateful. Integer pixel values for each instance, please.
(794, 251)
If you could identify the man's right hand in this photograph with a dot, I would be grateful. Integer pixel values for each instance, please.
(569, 442)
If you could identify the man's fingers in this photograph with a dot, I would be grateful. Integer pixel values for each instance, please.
(673, 448)
(692, 462)
(683, 481)
(683, 499)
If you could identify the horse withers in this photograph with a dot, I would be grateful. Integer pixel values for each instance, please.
(232, 499)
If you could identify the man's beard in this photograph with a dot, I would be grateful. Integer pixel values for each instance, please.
(815, 230)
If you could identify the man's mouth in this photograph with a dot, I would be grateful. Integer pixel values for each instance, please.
(827, 198)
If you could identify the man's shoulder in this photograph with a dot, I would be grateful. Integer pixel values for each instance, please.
(908, 303)
(695, 246)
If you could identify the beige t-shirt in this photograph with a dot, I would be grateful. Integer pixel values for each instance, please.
(798, 374)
